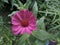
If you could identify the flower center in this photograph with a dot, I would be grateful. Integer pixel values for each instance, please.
(24, 22)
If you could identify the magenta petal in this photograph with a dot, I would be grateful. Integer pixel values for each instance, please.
(15, 27)
(32, 24)
(30, 14)
(17, 32)
(22, 14)
(23, 31)
(19, 16)
(33, 27)
(33, 21)
(30, 28)
(15, 17)
(27, 14)
(15, 21)
(28, 31)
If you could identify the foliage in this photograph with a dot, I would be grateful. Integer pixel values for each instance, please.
(47, 13)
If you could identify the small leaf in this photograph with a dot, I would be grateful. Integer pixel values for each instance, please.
(12, 2)
(19, 3)
(16, 5)
(40, 23)
(41, 35)
(5, 1)
(27, 4)
(22, 39)
(1, 23)
(12, 13)
(37, 42)
(35, 8)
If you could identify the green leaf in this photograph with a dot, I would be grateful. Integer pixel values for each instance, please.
(22, 39)
(7, 34)
(56, 20)
(12, 2)
(16, 5)
(40, 23)
(37, 42)
(5, 1)
(1, 23)
(35, 9)
(27, 4)
(19, 3)
(12, 13)
(54, 27)
(41, 35)
(1, 40)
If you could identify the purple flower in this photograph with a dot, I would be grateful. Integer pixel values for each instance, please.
(23, 22)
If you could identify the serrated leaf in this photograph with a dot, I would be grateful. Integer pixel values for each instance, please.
(23, 38)
(41, 35)
(35, 9)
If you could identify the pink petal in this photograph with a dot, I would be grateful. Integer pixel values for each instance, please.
(15, 21)
(15, 17)
(30, 14)
(17, 32)
(32, 22)
(15, 27)
(27, 14)
(33, 18)
(33, 27)
(23, 30)
(19, 16)
(28, 31)
(22, 14)
(30, 28)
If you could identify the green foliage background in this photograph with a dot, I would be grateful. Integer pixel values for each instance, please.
(47, 13)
